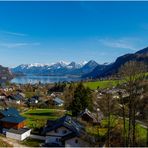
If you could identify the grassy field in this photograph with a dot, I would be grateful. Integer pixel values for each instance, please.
(101, 84)
(101, 131)
(37, 117)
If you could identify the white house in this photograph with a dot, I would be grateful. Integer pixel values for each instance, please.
(18, 134)
(54, 136)
(75, 142)
(64, 132)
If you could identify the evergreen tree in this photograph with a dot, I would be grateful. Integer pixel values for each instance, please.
(82, 99)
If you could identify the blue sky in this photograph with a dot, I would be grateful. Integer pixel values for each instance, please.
(46, 32)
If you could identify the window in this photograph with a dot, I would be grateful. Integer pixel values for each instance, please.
(57, 140)
(56, 131)
(76, 141)
(64, 131)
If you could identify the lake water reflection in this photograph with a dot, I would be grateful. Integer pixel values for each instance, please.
(43, 79)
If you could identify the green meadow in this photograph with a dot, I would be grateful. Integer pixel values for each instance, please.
(101, 84)
(36, 118)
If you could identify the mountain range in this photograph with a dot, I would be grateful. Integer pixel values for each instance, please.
(89, 69)
(59, 69)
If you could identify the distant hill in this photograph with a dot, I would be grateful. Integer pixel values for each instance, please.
(5, 74)
(108, 70)
(58, 69)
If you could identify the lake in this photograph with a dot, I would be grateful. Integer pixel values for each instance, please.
(43, 79)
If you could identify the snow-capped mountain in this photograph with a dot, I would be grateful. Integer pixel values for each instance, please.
(59, 68)
(89, 66)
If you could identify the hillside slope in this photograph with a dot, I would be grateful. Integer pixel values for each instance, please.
(141, 56)
(5, 74)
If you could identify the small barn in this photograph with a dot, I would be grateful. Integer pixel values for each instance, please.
(90, 117)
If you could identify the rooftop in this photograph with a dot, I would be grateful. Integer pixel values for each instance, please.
(9, 112)
(11, 115)
(67, 122)
(19, 131)
(13, 119)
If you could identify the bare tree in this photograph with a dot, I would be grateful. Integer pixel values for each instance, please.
(107, 105)
(123, 107)
(133, 74)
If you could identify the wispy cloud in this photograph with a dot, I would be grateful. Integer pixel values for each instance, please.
(124, 43)
(16, 45)
(14, 33)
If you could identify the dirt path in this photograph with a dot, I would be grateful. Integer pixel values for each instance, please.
(12, 142)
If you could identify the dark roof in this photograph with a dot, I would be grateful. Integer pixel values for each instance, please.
(67, 122)
(32, 100)
(18, 131)
(88, 113)
(3, 94)
(17, 97)
(36, 97)
(95, 117)
(68, 136)
(11, 115)
(9, 112)
(13, 119)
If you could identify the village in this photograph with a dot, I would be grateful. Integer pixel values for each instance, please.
(62, 131)
(73, 74)
(39, 115)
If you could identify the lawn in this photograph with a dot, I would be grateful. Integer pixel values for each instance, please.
(37, 118)
(96, 131)
(101, 131)
(32, 142)
(101, 84)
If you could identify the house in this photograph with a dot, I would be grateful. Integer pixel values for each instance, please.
(3, 96)
(33, 100)
(13, 124)
(58, 102)
(52, 95)
(6, 89)
(10, 118)
(16, 98)
(90, 117)
(64, 132)
(75, 141)
(22, 95)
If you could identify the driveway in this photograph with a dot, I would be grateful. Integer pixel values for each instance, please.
(12, 142)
